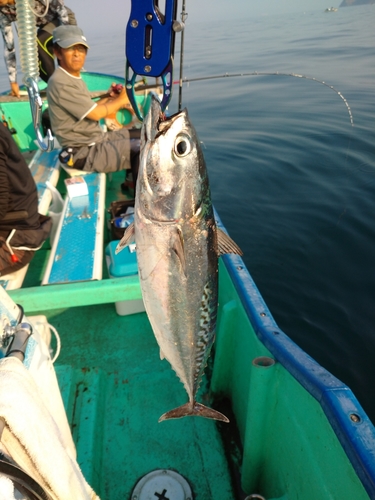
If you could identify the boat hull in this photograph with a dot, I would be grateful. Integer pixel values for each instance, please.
(296, 431)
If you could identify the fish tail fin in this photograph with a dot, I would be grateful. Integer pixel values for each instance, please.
(194, 409)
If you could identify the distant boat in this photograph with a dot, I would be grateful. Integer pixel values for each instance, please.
(331, 9)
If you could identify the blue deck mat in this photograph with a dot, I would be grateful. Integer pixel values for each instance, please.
(74, 258)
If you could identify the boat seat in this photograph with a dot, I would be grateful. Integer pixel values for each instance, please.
(77, 249)
(45, 169)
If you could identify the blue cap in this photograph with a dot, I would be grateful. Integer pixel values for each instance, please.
(68, 35)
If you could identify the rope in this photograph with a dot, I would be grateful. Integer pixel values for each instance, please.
(58, 342)
(34, 12)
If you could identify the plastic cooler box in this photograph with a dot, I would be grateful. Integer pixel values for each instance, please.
(120, 265)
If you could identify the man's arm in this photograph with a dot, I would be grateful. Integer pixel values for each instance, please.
(109, 106)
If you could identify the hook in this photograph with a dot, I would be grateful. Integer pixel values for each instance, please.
(36, 107)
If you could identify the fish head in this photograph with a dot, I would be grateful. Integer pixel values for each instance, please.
(172, 177)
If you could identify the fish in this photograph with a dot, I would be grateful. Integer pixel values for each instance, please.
(178, 245)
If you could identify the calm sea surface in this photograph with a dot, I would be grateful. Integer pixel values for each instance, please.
(292, 179)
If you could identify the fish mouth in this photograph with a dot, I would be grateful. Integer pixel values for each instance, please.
(159, 123)
(165, 124)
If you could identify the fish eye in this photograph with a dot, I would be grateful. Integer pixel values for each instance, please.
(182, 145)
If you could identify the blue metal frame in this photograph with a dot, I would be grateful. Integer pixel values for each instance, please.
(144, 16)
(342, 409)
(149, 44)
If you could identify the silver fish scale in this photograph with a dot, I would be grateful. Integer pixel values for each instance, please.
(206, 334)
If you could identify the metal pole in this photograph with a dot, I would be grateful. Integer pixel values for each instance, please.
(183, 18)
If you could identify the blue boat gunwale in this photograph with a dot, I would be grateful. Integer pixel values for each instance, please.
(336, 399)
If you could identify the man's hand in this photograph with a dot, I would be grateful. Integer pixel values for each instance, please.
(118, 93)
(123, 99)
(15, 90)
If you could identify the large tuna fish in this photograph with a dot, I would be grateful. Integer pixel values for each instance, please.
(178, 245)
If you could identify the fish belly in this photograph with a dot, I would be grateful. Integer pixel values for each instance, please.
(181, 302)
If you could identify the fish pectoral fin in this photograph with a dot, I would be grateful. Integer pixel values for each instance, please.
(179, 249)
(225, 244)
(126, 239)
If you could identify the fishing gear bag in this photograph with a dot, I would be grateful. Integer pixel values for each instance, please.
(121, 215)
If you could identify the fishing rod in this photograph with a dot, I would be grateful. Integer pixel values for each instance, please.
(253, 73)
(276, 73)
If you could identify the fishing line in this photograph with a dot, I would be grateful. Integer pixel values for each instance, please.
(276, 73)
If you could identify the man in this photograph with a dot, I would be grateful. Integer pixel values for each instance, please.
(46, 20)
(75, 117)
(22, 229)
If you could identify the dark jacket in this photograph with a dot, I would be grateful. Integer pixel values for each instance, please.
(17, 187)
(19, 198)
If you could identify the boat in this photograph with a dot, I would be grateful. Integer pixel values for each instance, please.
(331, 9)
(295, 431)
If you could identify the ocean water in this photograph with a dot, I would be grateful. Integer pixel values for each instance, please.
(292, 179)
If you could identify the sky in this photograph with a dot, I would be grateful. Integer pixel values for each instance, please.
(96, 14)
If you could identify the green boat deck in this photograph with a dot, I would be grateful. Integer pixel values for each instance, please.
(115, 388)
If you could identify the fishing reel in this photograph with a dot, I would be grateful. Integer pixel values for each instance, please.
(14, 337)
(116, 88)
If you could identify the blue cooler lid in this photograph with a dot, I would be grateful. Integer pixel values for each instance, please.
(122, 264)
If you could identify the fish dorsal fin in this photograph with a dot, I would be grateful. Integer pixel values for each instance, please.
(225, 244)
(126, 239)
(177, 243)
